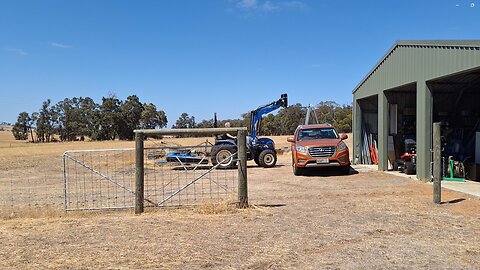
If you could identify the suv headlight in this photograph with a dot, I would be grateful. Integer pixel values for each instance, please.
(341, 146)
(301, 149)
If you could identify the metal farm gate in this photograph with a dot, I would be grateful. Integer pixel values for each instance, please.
(99, 179)
(105, 179)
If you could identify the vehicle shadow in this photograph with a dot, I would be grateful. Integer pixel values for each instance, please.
(327, 172)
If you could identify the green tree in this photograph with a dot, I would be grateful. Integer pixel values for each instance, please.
(289, 118)
(45, 122)
(87, 110)
(205, 124)
(22, 127)
(75, 118)
(151, 118)
(325, 111)
(67, 120)
(106, 119)
(185, 121)
(343, 118)
(33, 120)
(269, 125)
(130, 115)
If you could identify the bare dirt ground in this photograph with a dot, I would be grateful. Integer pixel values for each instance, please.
(366, 220)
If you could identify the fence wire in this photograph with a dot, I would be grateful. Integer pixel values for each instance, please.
(99, 179)
(174, 176)
(30, 186)
(105, 179)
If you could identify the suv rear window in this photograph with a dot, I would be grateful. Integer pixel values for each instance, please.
(317, 133)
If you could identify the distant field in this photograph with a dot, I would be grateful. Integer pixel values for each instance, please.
(7, 140)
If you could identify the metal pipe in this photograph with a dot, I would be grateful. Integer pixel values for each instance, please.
(64, 183)
(195, 180)
(98, 150)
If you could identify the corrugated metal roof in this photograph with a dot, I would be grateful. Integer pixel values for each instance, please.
(450, 44)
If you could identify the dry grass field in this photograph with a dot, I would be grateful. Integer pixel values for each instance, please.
(366, 220)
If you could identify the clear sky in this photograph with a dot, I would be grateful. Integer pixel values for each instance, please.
(201, 57)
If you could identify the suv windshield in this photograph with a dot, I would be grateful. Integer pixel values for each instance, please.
(317, 133)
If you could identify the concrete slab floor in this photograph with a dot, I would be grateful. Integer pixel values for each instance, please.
(468, 187)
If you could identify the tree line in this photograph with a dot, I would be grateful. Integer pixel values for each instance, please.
(285, 121)
(78, 118)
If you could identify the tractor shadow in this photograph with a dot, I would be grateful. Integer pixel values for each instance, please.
(189, 167)
(256, 166)
(327, 172)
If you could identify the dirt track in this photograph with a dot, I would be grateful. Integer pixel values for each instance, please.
(365, 220)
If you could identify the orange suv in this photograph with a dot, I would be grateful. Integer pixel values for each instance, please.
(315, 146)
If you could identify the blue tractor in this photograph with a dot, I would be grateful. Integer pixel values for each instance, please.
(261, 150)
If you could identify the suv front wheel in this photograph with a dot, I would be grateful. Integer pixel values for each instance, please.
(296, 170)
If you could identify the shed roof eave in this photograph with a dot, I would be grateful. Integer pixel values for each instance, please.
(376, 65)
(459, 43)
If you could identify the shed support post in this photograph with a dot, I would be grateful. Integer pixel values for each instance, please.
(242, 169)
(139, 173)
(383, 128)
(424, 131)
(357, 131)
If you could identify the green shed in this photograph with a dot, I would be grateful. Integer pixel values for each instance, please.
(415, 84)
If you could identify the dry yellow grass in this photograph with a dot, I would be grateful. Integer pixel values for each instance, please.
(7, 140)
(320, 221)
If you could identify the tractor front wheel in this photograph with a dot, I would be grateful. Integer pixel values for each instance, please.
(267, 158)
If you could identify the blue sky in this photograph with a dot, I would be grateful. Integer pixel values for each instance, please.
(201, 57)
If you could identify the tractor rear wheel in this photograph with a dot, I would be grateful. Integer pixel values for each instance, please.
(224, 156)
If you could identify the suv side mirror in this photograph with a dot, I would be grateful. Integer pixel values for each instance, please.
(290, 139)
(344, 136)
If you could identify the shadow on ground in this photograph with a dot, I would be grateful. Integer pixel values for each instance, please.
(257, 166)
(327, 172)
(270, 205)
(453, 201)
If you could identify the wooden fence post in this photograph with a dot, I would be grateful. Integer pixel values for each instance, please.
(437, 164)
(242, 169)
(139, 173)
